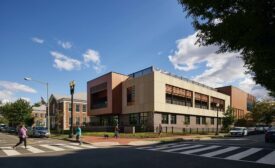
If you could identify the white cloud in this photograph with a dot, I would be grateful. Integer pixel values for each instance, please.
(94, 57)
(65, 44)
(37, 40)
(15, 87)
(63, 62)
(8, 89)
(221, 69)
(26, 98)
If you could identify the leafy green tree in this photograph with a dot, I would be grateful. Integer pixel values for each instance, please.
(3, 120)
(17, 112)
(263, 112)
(228, 118)
(245, 26)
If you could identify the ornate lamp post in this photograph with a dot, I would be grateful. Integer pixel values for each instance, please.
(72, 85)
(217, 129)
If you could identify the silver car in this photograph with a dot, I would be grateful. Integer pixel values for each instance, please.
(238, 131)
(39, 132)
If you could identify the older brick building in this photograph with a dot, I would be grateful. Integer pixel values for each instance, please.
(60, 111)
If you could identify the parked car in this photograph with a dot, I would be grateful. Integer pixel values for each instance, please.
(39, 132)
(2, 126)
(12, 130)
(251, 131)
(4, 129)
(238, 131)
(270, 135)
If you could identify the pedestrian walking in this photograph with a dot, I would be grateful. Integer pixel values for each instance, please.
(116, 131)
(22, 134)
(160, 129)
(78, 135)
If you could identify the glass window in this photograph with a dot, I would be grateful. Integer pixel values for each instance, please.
(173, 119)
(70, 106)
(212, 120)
(198, 120)
(134, 119)
(219, 121)
(99, 97)
(84, 108)
(201, 101)
(77, 120)
(186, 119)
(178, 96)
(130, 95)
(203, 120)
(77, 107)
(164, 118)
(143, 118)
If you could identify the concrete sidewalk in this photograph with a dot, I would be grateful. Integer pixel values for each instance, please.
(111, 141)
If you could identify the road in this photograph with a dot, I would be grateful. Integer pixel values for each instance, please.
(181, 154)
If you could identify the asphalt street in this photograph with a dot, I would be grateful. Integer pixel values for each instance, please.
(180, 155)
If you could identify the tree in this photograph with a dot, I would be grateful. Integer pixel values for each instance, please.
(263, 112)
(245, 26)
(17, 112)
(228, 117)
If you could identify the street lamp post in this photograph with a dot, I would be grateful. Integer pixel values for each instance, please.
(217, 129)
(47, 108)
(72, 85)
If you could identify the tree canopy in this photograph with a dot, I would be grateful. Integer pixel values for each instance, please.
(263, 112)
(245, 26)
(17, 112)
(228, 118)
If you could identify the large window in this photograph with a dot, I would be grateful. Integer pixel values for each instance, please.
(84, 108)
(77, 120)
(214, 101)
(134, 119)
(203, 120)
(198, 120)
(164, 118)
(219, 121)
(131, 95)
(84, 120)
(99, 96)
(212, 120)
(143, 118)
(77, 107)
(186, 119)
(178, 96)
(173, 119)
(201, 101)
(70, 106)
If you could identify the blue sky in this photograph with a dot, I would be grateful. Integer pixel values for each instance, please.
(48, 40)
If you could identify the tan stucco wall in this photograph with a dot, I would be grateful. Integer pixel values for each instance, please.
(144, 94)
(150, 95)
(160, 104)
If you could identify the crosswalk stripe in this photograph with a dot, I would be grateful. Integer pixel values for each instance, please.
(243, 154)
(54, 148)
(187, 147)
(9, 151)
(165, 147)
(268, 159)
(33, 149)
(215, 153)
(85, 146)
(199, 150)
(69, 146)
(158, 146)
